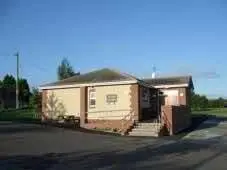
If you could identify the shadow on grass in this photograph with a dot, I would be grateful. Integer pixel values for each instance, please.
(151, 156)
(23, 115)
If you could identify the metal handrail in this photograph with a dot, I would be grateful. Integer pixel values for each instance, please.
(165, 120)
(123, 120)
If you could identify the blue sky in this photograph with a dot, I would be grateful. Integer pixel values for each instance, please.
(177, 37)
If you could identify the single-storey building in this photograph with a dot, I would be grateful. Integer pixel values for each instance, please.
(107, 98)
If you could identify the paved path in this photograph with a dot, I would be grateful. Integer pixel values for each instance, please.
(27, 146)
(209, 129)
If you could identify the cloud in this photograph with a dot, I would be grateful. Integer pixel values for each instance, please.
(198, 73)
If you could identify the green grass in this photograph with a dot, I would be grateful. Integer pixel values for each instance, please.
(213, 111)
(21, 115)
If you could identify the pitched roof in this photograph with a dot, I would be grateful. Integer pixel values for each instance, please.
(170, 81)
(101, 75)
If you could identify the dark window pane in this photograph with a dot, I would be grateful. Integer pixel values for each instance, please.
(92, 102)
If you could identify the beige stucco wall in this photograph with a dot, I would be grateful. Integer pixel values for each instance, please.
(103, 110)
(63, 102)
(180, 93)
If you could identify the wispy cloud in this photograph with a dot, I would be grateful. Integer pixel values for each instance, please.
(200, 73)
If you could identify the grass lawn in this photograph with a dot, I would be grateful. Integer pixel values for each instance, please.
(221, 112)
(20, 115)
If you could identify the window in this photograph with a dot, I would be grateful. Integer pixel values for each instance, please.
(171, 97)
(111, 98)
(92, 98)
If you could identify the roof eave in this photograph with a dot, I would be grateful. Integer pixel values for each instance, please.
(171, 86)
(88, 84)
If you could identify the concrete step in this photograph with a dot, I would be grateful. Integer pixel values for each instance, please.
(146, 129)
(143, 134)
(147, 124)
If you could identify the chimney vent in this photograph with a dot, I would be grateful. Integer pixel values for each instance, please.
(153, 75)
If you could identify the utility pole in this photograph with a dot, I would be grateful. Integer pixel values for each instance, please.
(17, 82)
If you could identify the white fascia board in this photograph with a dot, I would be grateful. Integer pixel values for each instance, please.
(88, 84)
(146, 85)
(170, 86)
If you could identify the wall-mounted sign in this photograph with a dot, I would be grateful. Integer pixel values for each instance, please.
(181, 94)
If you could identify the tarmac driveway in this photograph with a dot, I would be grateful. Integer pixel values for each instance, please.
(213, 128)
(30, 146)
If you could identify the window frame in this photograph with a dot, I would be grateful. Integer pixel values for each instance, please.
(92, 96)
(113, 100)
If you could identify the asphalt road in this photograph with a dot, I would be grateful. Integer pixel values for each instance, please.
(29, 146)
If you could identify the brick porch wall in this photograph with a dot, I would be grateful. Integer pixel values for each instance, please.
(176, 118)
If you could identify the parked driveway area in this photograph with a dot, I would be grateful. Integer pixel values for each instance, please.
(32, 146)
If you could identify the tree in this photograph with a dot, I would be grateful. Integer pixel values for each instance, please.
(65, 70)
(24, 92)
(35, 100)
(199, 102)
(203, 102)
(1, 83)
(9, 81)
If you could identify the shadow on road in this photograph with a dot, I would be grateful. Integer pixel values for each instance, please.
(12, 128)
(179, 155)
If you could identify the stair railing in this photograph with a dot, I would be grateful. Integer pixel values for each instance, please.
(126, 119)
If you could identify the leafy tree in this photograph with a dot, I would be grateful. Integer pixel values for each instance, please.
(199, 102)
(9, 81)
(24, 92)
(65, 70)
(203, 101)
(35, 99)
(1, 83)
(216, 103)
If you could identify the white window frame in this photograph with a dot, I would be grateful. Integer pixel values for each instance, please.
(92, 96)
(114, 102)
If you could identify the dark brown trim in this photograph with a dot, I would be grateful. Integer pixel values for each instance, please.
(83, 106)
(44, 100)
(135, 100)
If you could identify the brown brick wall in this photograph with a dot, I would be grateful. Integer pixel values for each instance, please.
(83, 106)
(176, 118)
(135, 100)
(167, 118)
(188, 94)
(181, 118)
(117, 125)
(44, 105)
